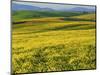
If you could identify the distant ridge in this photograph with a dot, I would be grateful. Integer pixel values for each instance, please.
(16, 7)
(81, 9)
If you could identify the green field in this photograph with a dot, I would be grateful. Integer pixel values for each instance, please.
(45, 43)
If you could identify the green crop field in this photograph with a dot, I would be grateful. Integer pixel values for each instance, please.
(45, 43)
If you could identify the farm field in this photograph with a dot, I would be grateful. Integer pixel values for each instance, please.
(54, 44)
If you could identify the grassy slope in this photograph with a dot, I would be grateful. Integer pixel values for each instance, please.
(91, 16)
(41, 45)
(20, 15)
(84, 17)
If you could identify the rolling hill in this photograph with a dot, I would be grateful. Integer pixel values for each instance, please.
(24, 14)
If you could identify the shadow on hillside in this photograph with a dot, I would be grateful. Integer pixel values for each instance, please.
(76, 19)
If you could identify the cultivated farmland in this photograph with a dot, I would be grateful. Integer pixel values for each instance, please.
(53, 43)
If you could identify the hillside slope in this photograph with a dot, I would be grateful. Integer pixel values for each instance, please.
(19, 15)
